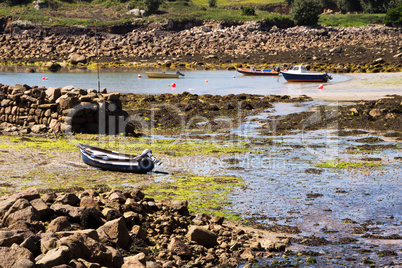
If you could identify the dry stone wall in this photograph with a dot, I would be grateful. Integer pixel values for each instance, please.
(55, 109)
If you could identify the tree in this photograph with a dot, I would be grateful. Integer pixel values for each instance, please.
(346, 6)
(306, 12)
(151, 6)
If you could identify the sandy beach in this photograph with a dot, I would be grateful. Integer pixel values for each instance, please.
(361, 86)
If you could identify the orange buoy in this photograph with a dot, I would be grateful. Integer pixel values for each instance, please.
(206, 81)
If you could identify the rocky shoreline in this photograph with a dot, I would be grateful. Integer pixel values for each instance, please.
(118, 229)
(373, 48)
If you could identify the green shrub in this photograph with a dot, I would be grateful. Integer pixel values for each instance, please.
(248, 11)
(212, 3)
(151, 6)
(394, 16)
(306, 12)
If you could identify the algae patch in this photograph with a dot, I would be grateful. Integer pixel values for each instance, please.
(207, 194)
(340, 165)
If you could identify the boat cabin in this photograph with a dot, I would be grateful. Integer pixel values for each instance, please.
(299, 69)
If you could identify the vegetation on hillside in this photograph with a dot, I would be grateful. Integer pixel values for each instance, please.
(113, 12)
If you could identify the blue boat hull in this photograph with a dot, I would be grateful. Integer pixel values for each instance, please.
(305, 77)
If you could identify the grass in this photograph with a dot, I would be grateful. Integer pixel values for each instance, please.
(347, 20)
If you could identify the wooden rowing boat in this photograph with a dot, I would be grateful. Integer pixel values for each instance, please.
(115, 161)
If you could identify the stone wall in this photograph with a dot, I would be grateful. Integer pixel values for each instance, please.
(38, 109)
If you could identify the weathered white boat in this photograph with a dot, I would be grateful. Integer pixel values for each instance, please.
(163, 74)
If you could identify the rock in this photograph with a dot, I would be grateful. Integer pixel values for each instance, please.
(247, 255)
(89, 202)
(7, 238)
(137, 194)
(178, 247)
(134, 12)
(41, 207)
(32, 243)
(378, 61)
(67, 102)
(8, 200)
(75, 58)
(375, 113)
(117, 196)
(91, 218)
(180, 206)
(53, 93)
(133, 262)
(137, 260)
(354, 111)
(202, 236)
(68, 199)
(24, 263)
(49, 197)
(39, 4)
(28, 214)
(59, 224)
(336, 50)
(67, 210)
(10, 256)
(38, 128)
(115, 231)
(139, 232)
(56, 256)
(111, 213)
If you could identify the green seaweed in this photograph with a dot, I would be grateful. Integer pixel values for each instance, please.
(340, 165)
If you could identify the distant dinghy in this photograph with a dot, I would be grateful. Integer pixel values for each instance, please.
(252, 71)
(163, 74)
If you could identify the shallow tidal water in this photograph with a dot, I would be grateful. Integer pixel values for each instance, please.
(220, 82)
(286, 185)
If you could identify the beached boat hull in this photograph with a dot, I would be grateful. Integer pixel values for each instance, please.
(115, 161)
(257, 71)
(299, 73)
(305, 77)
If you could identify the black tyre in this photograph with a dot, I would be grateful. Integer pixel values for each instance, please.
(146, 164)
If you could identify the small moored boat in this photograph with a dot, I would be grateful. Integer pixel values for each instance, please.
(115, 161)
(163, 74)
(299, 73)
(252, 71)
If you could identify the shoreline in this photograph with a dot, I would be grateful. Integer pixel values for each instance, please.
(365, 86)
